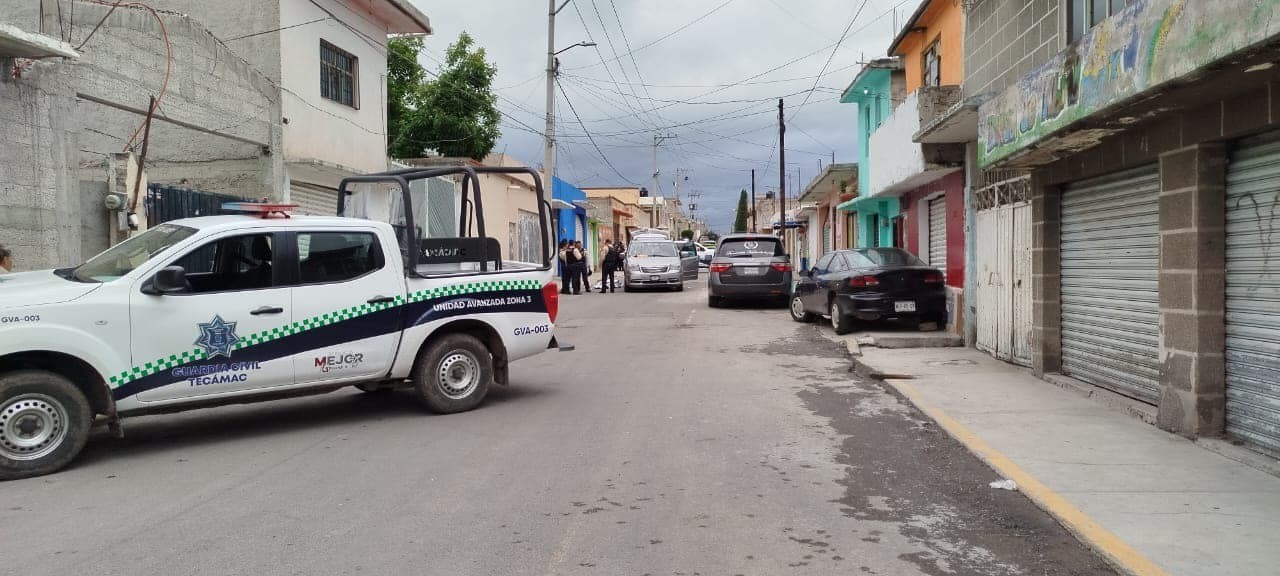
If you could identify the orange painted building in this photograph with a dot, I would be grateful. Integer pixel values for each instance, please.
(932, 45)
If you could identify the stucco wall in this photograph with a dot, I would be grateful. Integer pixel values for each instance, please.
(894, 157)
(321, 129)
(943, 22)
(244, 26)
(915, 210)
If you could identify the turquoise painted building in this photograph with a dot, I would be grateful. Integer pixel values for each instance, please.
(872, 90)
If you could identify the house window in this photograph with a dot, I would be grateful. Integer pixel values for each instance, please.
(338, 73)
(933, 66)
(1085, 14)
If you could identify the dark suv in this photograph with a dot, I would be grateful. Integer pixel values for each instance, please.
(749, 266)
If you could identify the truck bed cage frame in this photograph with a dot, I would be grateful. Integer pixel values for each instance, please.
(470, 179)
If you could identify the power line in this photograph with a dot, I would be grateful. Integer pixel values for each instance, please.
(830, 57)
(275, 30)
(723, 85)
(665, 36)
(593, 141)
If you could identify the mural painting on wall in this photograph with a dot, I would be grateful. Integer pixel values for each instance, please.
(1149, 43)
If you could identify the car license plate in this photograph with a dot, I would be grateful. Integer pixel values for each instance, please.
(653, 278)
(752, 271)
(904, 306)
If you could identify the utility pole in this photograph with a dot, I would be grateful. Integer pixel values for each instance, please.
(653, 198)
(754, 226)
(782, 172)
(549, 154)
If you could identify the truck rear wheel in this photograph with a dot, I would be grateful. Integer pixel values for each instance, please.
(44, 423)
(454, 374)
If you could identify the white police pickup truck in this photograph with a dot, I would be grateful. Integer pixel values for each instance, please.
(242, 308)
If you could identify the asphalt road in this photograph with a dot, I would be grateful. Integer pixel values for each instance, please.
(675, 440)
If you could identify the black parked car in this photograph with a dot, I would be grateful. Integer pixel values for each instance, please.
(870, 284)
(749, 266)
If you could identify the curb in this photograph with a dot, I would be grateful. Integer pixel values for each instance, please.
(1119, 554)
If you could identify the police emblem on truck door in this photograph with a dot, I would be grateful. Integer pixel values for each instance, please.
(217, 337)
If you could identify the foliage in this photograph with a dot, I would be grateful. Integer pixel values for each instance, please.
(456, 113)
(740, 219)
(712, 236)
(686, 234)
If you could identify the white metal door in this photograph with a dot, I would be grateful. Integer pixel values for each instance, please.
(1253, 294)
(987, 238)
(1110, 282)
(938, 233)
(1020, 290)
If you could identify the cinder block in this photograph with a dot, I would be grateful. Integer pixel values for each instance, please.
(1178, 250)
(1210, 291)
(1177, 371)
(1246, 113)
(1176, 208)
(1210, 374)
(1177, 290)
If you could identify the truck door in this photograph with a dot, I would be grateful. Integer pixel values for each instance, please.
(218, 336)
(349, 297)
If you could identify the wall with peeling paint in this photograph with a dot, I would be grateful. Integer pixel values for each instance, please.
(1150, 43)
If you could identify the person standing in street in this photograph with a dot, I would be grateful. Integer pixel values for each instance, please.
(6, 260)
(584, 266)
(608, 265)
(563, 256)
(573, 268)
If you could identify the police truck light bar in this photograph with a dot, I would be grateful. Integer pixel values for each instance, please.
(264, 210)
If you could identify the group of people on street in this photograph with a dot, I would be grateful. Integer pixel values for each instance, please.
(575, 268)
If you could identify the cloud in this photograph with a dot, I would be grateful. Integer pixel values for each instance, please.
(712, 84)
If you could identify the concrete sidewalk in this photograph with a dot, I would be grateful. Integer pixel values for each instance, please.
(1149, 501)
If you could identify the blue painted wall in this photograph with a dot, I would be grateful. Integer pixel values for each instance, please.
(569, 220)
(872, 92)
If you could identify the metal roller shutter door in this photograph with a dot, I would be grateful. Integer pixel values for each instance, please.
(1253, 294)
(1110, 282)
(314, 201)
(938, 233)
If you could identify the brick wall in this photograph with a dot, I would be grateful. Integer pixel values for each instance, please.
(1005, 39)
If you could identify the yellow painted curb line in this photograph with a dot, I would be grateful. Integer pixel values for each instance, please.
(1115, 550)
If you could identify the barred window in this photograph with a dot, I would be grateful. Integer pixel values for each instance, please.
(338, 73)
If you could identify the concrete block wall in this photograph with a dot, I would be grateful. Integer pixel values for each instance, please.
(208, 85)
(39, 217)
(1046, 278)
(1005, 39)
(1192, 290)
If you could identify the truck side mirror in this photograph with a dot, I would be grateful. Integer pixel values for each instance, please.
(169, 280)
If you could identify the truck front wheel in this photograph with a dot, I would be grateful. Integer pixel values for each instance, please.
(44, 423)
(454, 374)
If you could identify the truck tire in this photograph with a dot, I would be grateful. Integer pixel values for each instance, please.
(44, 423)
(454, 374)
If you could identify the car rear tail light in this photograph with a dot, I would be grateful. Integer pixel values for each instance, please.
(862, 281)
(933, 278)
(551, 298)
(720, 267)
(781, 266)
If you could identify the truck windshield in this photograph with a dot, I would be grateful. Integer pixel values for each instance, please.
(124, 257)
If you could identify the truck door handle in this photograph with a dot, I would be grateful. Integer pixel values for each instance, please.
(381, 300)
(267, 310)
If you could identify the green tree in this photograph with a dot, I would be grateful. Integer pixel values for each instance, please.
(456, 113)
(686, 234)
(740, 220)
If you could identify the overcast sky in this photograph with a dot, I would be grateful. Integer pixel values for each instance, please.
(707, 71)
